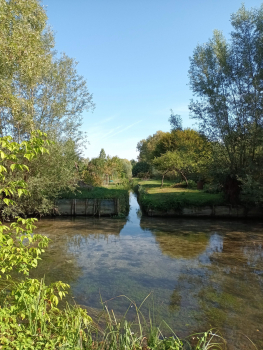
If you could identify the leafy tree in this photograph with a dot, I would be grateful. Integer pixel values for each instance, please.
(38, 89)
(175, 121)
(126, 168)
(178, 162)
(24, 56)
(226, 76)
(102, 154)
(140, 167)
(147, 148)
(133, 162)
(187, 142)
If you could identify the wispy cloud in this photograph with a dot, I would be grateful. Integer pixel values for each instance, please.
(124, 129)
(110, 132)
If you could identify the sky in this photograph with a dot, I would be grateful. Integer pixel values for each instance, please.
(134, 55)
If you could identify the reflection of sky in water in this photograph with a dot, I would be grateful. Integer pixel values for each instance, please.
(215, 246)
(202, 273)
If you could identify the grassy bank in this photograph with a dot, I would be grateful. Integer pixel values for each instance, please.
(102, 192)
(35, 324)
(152, 196)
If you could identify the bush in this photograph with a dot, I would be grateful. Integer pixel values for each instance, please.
(213, 188)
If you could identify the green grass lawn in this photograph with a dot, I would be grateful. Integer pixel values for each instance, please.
(102, 192)
(154, 197)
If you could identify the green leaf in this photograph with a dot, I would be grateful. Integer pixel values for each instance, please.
(3, 155)
(2, 169)
(7, 201)
(12, 167)
(20, 191)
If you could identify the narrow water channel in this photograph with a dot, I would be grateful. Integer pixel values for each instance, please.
(200, 274)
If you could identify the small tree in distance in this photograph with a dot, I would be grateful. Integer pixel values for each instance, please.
(175, 121)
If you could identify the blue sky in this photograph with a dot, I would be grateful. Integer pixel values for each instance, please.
(134, 55)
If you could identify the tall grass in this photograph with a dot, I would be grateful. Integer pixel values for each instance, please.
(31, 323)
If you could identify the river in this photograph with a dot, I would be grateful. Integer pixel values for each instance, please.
(198, 274)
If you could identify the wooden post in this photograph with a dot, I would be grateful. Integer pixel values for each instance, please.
(118, 206)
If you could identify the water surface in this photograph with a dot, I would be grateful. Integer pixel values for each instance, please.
(199, 273)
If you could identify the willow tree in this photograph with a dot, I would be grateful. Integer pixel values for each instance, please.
(226, 76)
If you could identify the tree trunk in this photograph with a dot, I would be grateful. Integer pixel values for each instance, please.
(162, 180)
(184, 178)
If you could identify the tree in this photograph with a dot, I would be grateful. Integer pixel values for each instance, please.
(140, 167)
(126, 168)
(38, 89)
(228, 79)
(102, 154)
(178, 162)
(176, 121)
(25, 54)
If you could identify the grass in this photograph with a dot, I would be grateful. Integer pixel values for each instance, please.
(152, 196)
(34, 325)
(105, 192)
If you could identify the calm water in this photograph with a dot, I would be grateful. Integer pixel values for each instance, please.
(200, 273)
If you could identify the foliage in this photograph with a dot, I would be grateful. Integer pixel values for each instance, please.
(191, 148)
(20, 249)
(54, 172)
(24, 55)
(178, 162)
(140, 167)
(104, 168)
(190, 184)
(227, 78)
(252, 191)
(35, 322)
(175, 121)
(38, 89)
(133, 162)
(213, 188)
(126, 169)
(102, 154)
(28, 316)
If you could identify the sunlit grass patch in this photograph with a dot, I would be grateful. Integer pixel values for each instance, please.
(153, 196)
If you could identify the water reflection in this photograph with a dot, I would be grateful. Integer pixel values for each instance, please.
(201, 273)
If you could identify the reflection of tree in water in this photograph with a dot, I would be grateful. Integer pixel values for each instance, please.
(223, 289)
(177, 241)
(182, 246)
(175, 300)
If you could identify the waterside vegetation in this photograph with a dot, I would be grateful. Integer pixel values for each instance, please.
(169, 196)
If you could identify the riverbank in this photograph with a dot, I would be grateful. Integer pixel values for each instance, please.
(100, 201)
(171, 201)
